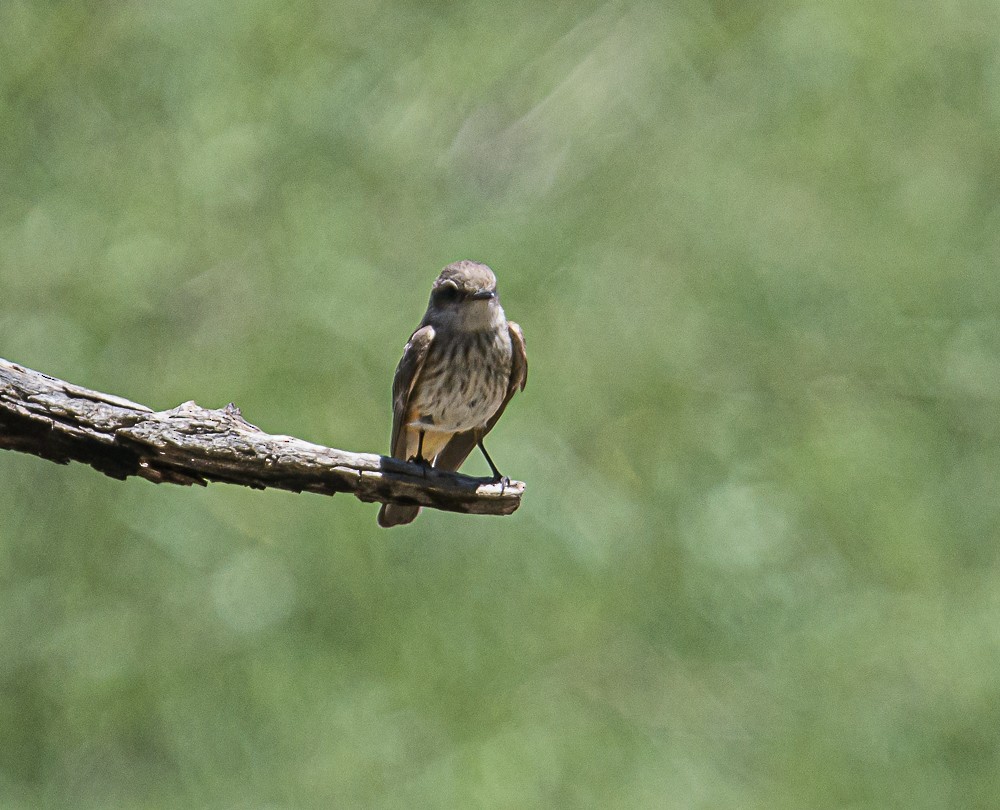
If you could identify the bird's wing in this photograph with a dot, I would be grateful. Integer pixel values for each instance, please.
(407, 373)
(457, 450)
(519, 365)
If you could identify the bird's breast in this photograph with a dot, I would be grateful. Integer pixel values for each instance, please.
(464, 380)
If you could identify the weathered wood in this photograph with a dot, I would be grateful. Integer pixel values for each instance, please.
(189, 444)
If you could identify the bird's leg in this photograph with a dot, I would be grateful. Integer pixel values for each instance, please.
(503, 480)
(419, 457)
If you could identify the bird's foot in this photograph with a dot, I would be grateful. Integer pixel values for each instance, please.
(419, 459)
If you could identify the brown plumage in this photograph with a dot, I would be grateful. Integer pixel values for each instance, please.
(457, 374)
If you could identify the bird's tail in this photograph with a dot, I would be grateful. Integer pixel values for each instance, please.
(393, 514)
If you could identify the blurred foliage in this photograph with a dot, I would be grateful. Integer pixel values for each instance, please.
(753, 247)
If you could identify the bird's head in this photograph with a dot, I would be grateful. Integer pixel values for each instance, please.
(464, 296)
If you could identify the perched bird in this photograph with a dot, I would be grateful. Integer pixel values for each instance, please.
(457, 374)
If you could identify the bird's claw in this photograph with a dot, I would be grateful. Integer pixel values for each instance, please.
(424, 464)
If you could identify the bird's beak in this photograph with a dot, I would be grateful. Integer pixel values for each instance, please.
(483, 295)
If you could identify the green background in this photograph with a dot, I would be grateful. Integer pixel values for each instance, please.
(753, 247)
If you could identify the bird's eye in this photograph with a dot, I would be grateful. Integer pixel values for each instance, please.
(446, 293)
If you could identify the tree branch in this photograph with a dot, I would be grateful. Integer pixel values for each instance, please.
(192, 445)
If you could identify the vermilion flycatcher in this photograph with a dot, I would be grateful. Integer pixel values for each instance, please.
(458, 372)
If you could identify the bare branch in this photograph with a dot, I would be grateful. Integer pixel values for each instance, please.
(192, 445)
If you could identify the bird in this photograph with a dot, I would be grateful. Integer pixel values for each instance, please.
(459, 370)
